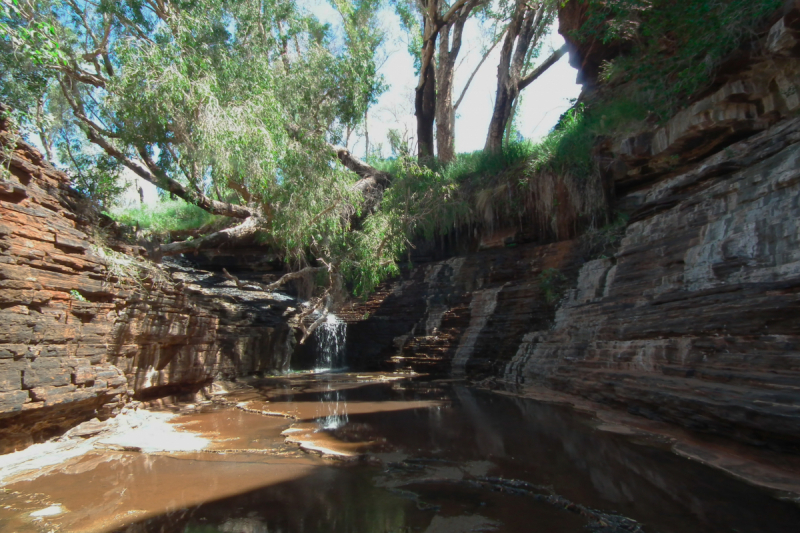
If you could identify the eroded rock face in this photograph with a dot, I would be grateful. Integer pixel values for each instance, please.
(464, 315)
(694, 321)
(53, 346)
(752, 93)
(586, 54)
(76, 340)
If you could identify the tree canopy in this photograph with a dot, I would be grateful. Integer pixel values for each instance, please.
(233, 105)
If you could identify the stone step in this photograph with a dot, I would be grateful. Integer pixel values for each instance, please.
(789, 361)
(769, 361)
(753, 415)
(780, 378)
(420, 364)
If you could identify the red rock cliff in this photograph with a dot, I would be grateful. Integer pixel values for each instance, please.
(76, 341)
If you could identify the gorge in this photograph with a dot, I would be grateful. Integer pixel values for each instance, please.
(614, 355)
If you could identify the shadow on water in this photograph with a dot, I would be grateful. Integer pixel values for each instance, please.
(448, 469)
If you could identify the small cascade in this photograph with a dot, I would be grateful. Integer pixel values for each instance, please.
(330, 337)
(336, 406)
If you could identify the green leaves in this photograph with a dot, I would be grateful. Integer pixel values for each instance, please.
(34, 40)
(676, 45)
(202, 94)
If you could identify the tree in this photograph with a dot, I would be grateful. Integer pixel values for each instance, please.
(450, 36)
(528, 24)
(435, 17)
(234, 106)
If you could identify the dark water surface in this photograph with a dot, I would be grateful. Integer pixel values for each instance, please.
(436, 469)
(433, 457)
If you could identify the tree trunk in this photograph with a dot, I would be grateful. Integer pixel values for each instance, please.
(445, 123)
(366, 133)
(425, 111)
(445, 113)
(503, 104)
(425, 99)
(506, 85)
(243, 232)
(527, 27)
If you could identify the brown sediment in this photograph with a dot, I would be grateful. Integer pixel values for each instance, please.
(311, 439)
(761, 468)
(309, 383)
(234, 429)
(103, 491)
(320, 409)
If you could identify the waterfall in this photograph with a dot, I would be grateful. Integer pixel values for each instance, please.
(330, 336)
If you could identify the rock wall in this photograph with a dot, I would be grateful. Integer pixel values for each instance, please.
(80, 335)
(464, 315)
(54, 369)
(695, 319)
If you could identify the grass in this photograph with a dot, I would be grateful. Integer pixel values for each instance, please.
(165, 217)
(676, 46)
(554, 183)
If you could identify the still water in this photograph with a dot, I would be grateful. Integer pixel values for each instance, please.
(383, 453)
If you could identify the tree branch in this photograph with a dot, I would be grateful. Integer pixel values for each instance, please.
(474, 72)
(217, 239)
(451, 12)
(168, 184)
(541, 69)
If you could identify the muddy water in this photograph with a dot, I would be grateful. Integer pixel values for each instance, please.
(383, 453)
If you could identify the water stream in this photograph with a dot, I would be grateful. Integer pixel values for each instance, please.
(335, 404)
(398, 455)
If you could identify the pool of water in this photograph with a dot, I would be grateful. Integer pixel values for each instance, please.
(392, 454)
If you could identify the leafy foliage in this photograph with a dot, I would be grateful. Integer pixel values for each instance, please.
(676, 45)
(552, 283)
(237, 101)
(240, 101)
(77, 295)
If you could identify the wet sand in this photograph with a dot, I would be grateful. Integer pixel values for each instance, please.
(104, 491)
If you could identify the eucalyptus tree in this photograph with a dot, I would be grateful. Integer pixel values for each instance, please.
(527, 24)
(429, 21)
(233, 105)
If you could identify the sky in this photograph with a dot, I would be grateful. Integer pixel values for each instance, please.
(542, 102)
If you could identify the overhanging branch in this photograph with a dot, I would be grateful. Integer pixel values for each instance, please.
(168, 184)
(541, 69)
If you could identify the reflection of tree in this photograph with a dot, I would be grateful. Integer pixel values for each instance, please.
(489, 441)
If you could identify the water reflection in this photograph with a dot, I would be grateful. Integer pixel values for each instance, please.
(335, 404)
(434, 457)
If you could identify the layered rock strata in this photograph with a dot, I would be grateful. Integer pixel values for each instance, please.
(84, 327)
(464, 315)
(695, 319)
(54, 368)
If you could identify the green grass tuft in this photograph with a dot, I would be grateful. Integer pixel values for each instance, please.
(166, 216)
